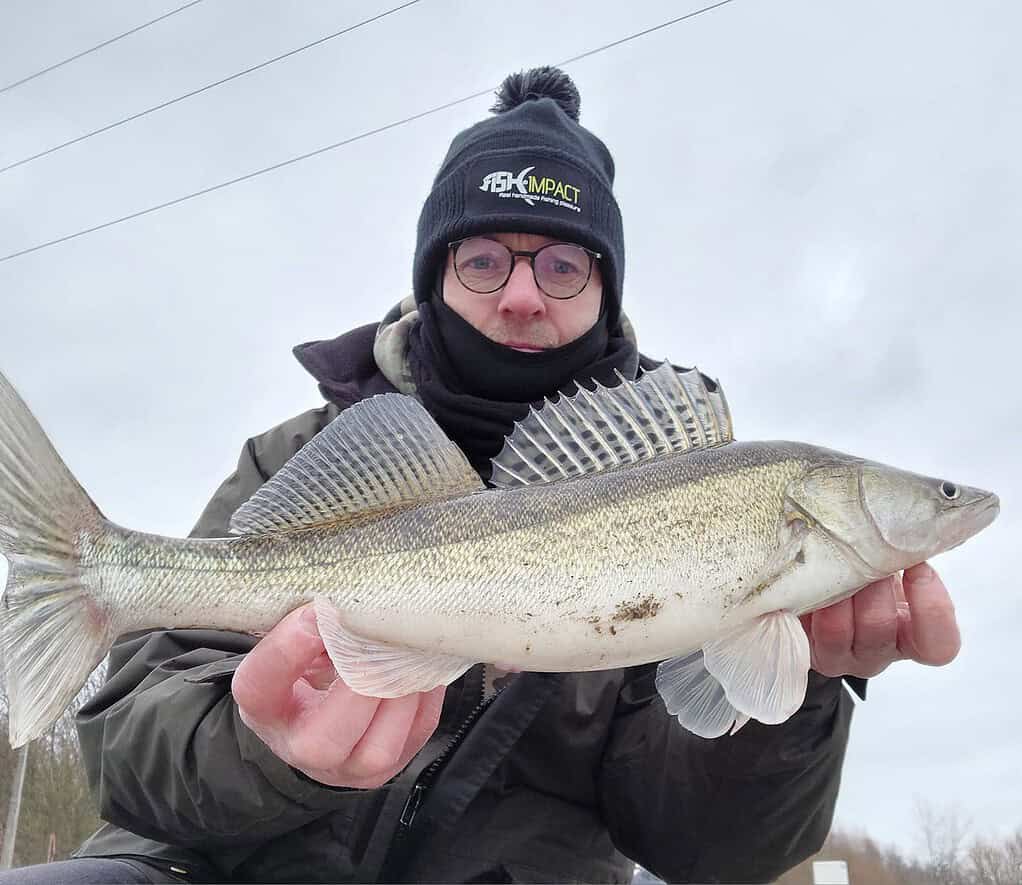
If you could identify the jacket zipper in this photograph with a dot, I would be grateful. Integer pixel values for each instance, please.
(398, 844)
(426, 777)
(397, 854)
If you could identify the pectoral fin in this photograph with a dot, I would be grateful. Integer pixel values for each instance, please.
(696, 698)
(758, 671)
(378, 669)
(763, 666)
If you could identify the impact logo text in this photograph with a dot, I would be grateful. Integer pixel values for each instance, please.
(532, 188)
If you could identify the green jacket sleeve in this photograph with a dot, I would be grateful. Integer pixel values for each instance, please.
(165, 750)
(743, 808)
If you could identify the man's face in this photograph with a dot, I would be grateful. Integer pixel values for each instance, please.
(520, 315)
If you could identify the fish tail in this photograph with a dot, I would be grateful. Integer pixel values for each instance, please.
(53, 632)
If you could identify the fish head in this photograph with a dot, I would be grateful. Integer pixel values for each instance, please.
(920, 516)
(887, 519)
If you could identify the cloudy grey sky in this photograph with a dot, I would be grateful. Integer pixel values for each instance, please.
(822, 204)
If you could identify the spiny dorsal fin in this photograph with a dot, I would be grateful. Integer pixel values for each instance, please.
(667, 410)
(381, 455)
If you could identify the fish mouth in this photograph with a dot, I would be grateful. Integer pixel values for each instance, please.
(973, 517)
(985, 510)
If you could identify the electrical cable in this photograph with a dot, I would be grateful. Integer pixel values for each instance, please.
(345, 141)
(85, 52)
(201, 89)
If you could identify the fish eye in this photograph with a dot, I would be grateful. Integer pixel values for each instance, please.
(949, 490)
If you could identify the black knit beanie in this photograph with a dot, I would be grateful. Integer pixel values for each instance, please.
(530, 168)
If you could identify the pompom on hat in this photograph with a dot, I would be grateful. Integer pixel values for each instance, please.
(530, 168)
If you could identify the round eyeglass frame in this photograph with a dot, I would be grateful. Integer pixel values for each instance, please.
(524, 253)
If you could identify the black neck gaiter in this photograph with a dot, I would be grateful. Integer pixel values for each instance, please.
(476, 388)
(482, 367)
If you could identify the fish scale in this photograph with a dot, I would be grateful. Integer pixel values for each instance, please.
(476, 564)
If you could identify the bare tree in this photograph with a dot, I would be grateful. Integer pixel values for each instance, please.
(1013, 848)
(867, 863)
(943, 834)
(13, 808)
(991, 863)
(57, 809)
(948, 860)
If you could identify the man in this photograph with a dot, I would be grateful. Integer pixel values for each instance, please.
(219, 758)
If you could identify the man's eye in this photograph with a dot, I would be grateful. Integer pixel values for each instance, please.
(564, 267)
(480, 262)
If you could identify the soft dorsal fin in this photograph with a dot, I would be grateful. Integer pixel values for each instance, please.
(666, 410)
(378, 456)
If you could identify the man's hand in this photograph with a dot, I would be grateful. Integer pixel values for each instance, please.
(910, 618)
(289, 694)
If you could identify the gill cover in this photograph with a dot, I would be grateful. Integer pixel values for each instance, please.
(903, 506)
(829, 495)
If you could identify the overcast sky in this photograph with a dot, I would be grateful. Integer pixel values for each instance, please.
(822, 205)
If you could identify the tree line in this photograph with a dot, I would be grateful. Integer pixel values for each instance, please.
(948, 855)
(57, 811)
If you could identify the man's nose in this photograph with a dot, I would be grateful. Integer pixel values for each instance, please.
(520, 295)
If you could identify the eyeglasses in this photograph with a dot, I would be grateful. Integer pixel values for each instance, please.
(561, 270)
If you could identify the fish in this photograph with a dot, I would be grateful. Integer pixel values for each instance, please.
(622, 525)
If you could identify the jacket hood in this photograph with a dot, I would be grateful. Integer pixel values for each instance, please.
(344, 366)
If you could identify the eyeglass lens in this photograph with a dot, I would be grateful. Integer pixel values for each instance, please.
(561, 269)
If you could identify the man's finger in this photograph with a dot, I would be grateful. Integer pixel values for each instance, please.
(378, 751)
(899, 589)
(934, 627)
(262, 684)
(876, 625)
(427, 718)
(330, 725)
(832, 631)
(320, 673)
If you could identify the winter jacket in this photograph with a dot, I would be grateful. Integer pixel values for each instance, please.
(561, 778)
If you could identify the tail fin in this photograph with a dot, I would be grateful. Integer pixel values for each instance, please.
(52, 634)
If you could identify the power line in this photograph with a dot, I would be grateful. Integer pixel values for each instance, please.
(60, 64)
(346, 141)
(249, 175)
(206, 88)
(638, 34)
